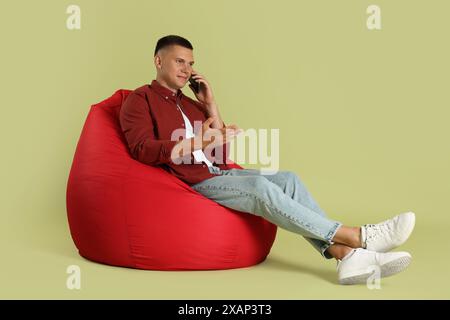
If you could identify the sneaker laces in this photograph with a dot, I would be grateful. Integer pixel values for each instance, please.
(374, 231)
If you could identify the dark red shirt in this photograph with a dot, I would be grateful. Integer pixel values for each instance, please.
(148, 118)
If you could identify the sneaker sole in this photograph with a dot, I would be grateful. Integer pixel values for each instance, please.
(387, 270)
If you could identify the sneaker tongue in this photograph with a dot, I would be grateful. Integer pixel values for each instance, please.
(363, 237)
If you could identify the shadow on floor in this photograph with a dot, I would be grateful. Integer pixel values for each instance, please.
(280, 264)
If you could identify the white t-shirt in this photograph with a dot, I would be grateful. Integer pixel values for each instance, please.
(199, 155)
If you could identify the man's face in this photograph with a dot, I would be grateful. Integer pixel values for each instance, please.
(174, 65)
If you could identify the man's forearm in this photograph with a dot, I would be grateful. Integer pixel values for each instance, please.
(186, 147)
(213, 111)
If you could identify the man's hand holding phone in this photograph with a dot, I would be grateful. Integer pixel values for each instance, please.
(202, 89)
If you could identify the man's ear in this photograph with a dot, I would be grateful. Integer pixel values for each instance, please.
(157, 61)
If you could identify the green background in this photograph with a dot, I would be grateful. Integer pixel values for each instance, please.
(363, 118)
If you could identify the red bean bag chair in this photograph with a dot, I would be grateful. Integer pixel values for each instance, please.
(124, 213)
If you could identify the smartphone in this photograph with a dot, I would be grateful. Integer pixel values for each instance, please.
(195, 84)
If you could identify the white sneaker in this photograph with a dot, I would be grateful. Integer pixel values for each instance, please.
(389, 234)
(357, 266)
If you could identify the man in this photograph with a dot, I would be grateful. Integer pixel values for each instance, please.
(153, 113)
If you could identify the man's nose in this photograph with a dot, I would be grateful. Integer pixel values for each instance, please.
(187, 68)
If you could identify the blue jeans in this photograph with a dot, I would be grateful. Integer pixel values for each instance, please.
(280, 198)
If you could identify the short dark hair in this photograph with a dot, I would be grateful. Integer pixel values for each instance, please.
(172, 40)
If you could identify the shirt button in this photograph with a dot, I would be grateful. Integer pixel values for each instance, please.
(182, 124)
(167, 97)
(204, 166)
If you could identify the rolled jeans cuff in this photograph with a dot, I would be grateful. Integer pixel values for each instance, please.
(329, 242)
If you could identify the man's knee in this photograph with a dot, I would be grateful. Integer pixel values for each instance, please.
(259, 184)
(289, 176)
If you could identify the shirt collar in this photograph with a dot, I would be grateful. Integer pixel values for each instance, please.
(165, 92)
